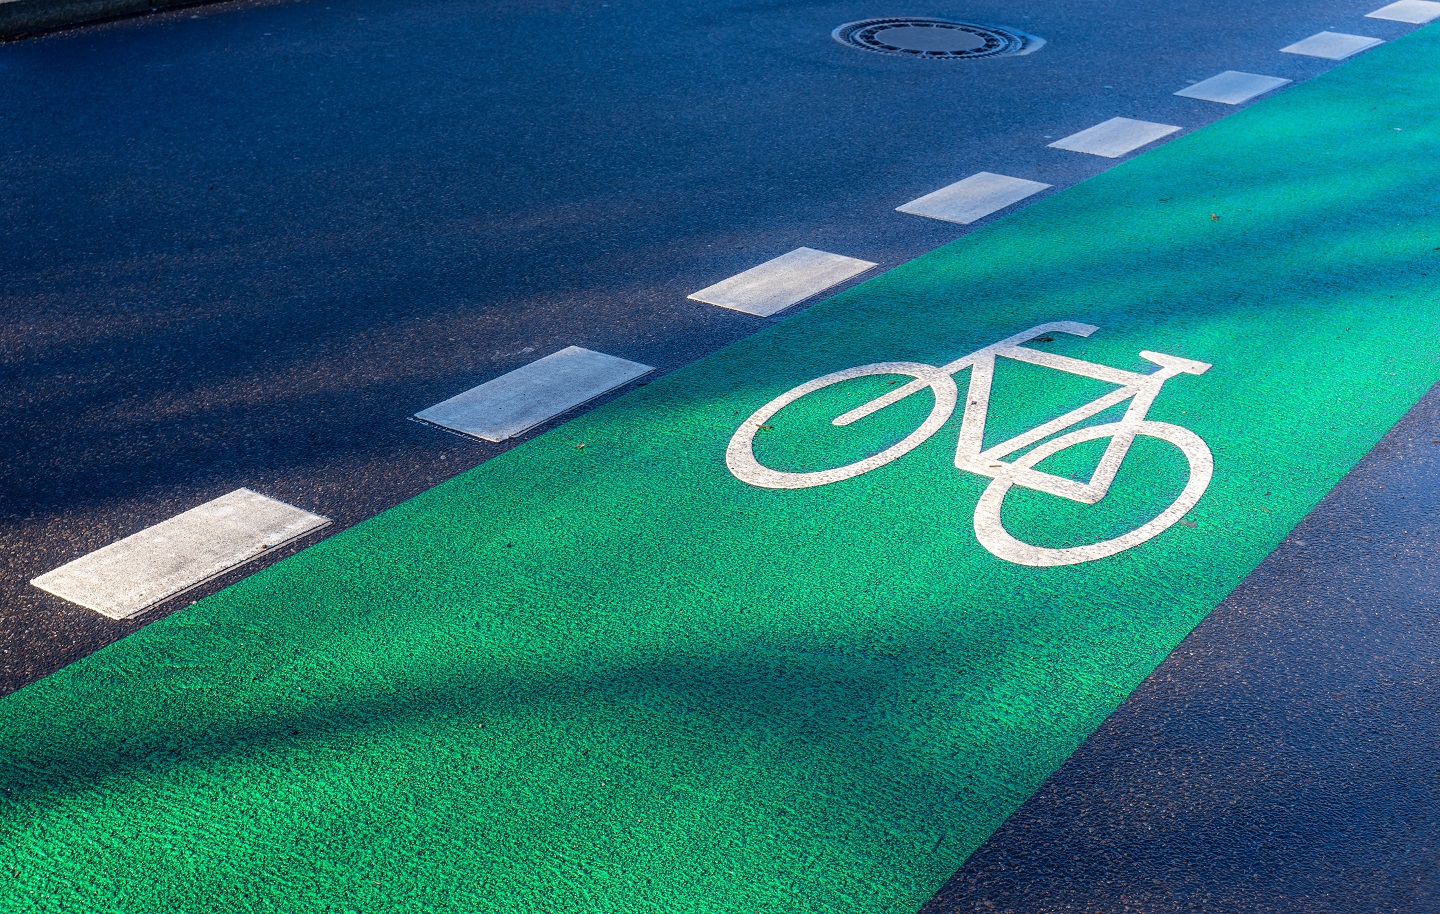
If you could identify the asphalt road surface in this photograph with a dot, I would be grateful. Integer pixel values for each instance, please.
(1286, 756)
(242, 244)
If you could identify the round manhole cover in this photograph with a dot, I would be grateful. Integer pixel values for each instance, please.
(935, 39)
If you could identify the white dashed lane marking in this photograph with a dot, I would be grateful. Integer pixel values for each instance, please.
(1332, 45)
(521, 399)
(1415, 12)
(1232, 87)
(973, 198)
(128, 577)
(1114, 137)
(787, 280)
(142, 570)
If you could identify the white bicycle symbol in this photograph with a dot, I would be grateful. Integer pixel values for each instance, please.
(1140, 389)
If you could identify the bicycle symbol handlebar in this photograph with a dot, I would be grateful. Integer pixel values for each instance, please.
(1140, 389)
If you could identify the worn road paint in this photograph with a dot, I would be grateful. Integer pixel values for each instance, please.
(144, 569)
(1115, 137)
(1232, 87)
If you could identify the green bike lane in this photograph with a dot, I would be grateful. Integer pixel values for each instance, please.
(601, 673)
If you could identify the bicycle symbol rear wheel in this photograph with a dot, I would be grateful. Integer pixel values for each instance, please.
(994, 537)
(740, 455)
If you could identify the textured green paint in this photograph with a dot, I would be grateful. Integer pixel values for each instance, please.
(614, 679)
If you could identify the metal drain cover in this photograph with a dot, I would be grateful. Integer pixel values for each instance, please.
(935, 39)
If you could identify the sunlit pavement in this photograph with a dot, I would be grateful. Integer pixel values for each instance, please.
(251, 276)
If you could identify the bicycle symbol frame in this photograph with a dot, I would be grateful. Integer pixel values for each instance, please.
(1140, 389)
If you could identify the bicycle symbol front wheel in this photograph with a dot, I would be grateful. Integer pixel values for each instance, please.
(740, 455)
(993, 536)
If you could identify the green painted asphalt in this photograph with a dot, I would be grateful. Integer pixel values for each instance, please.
(617, 679)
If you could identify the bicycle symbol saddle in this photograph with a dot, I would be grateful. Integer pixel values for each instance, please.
(1140, 389)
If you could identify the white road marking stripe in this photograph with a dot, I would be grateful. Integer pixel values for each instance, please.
(1233, 87)
(130, 576)
(973, 198)
(521, 399)
(1415, 12)
(1332, 45)
(787, 280)
(1114, 137)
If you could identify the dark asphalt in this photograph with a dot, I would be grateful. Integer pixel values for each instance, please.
(241, 244)
(1286, 757)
